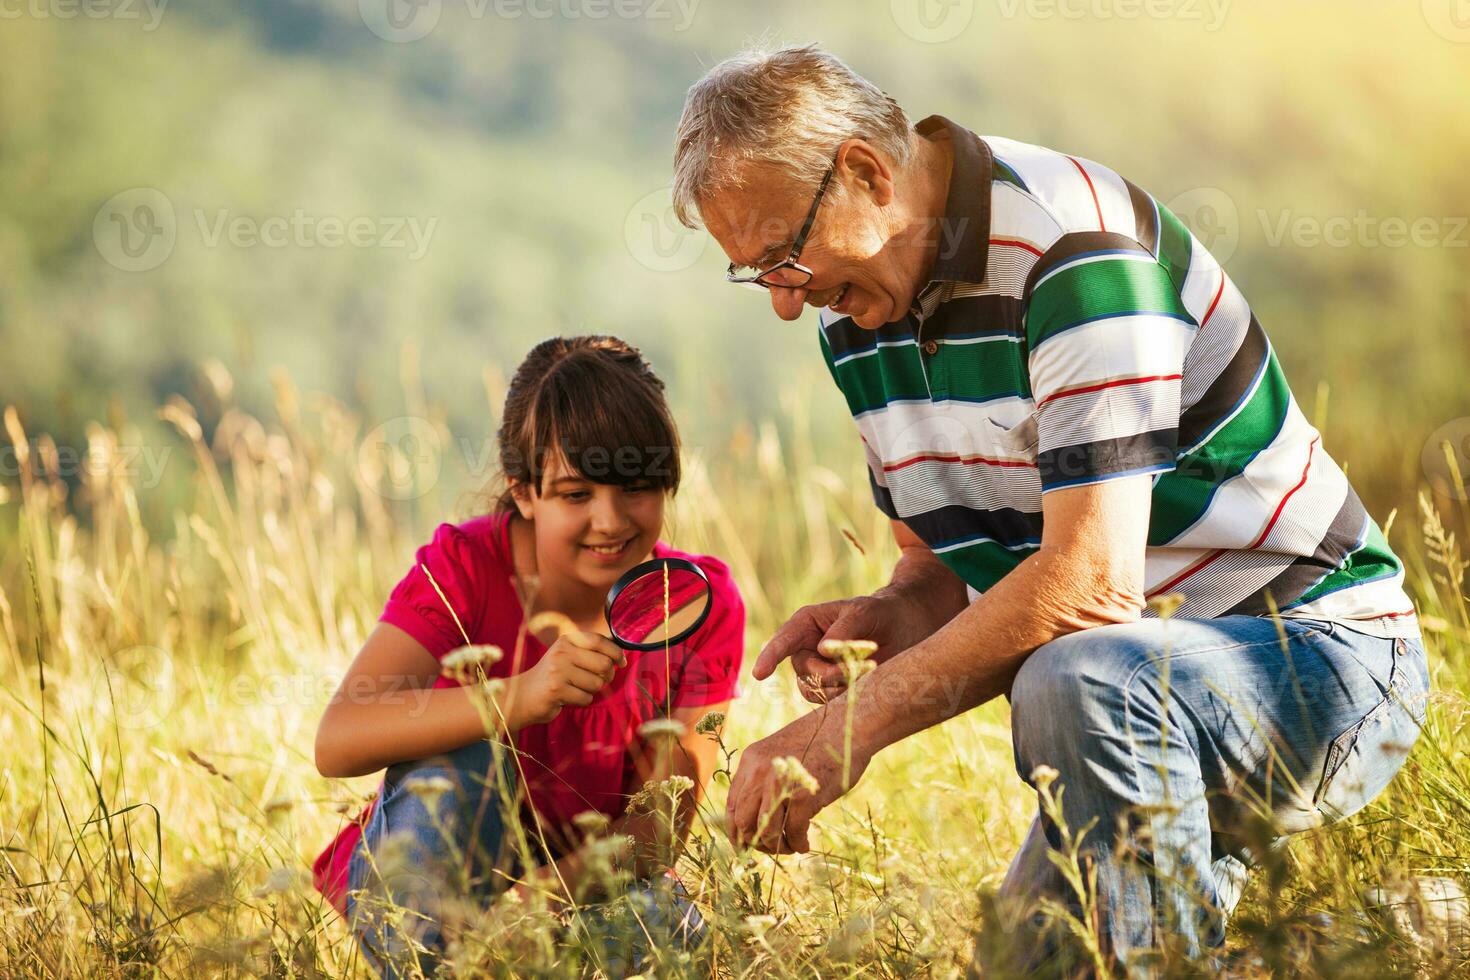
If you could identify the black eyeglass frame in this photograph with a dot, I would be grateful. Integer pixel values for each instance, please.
(757, 281)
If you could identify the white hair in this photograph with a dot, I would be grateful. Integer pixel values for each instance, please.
(789, 108)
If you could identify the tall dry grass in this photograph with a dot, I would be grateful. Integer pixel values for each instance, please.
(159, 805)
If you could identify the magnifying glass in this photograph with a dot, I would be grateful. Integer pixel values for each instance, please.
(658, 602)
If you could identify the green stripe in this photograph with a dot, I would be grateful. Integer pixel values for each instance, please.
(1181, 495)
(1094, 290)
(1375, 559)
(1005, 173)
(983, 564)
(827, 355)
(974, 373)
(1176, 248)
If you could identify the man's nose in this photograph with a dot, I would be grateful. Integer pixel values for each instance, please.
(787, 301)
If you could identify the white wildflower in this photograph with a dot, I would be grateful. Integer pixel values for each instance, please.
(429, 788)
(847, 650)
(661, 728)
(710, 723)
(470, 662)
(791, 772)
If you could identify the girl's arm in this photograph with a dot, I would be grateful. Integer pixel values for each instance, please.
(386, 709)
(655, 843)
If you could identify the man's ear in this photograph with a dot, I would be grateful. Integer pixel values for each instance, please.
(867, 172)
(521, 494)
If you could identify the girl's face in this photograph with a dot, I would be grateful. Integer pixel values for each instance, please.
(590, 532)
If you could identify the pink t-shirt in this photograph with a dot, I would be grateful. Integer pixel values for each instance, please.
(580, 760)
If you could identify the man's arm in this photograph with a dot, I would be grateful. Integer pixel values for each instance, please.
(922, 595)
(1088, 572)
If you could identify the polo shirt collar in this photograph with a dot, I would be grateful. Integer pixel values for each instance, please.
(964, 242)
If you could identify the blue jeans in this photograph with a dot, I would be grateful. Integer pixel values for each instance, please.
(437, 837)
(1190, 746)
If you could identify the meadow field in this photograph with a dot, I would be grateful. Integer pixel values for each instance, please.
(221, 447)
(160, 807)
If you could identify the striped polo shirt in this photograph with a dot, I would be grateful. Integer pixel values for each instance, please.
(1074, 331)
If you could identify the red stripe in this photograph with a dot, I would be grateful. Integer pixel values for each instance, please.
(1017, 244)
(1311, 450)
(1108, 384)
(1218, 293)
(954, 458)
(1095, 202)
(1186, 573)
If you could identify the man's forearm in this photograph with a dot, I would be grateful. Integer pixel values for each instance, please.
(975, 656)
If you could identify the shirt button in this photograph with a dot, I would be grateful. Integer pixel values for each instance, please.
(931, 347)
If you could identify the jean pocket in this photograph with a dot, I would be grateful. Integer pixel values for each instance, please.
(1363, 760)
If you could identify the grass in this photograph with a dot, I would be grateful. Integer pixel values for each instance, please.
(159, 807)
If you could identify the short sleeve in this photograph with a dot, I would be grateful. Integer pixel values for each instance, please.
(877, 481)
(1106, 333)
(439, 622)
(711, 673)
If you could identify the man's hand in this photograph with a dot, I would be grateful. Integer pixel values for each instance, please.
(771, 803)
(923, 596)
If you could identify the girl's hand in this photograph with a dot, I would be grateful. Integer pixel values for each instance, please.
(577, 666)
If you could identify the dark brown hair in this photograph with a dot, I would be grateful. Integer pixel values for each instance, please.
(594, 401)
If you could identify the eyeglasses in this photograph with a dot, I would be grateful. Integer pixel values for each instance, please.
(788, 273)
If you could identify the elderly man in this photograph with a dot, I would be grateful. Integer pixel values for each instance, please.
(1108, 503)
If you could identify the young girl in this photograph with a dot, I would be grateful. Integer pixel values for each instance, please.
(590, 455)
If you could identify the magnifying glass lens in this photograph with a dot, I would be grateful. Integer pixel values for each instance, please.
(663, 601)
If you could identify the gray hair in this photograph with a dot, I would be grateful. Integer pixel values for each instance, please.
(790, 108)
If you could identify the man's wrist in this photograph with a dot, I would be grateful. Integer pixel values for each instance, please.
(932, 586)
(868, 708)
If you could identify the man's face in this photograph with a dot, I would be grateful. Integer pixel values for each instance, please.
(855, 270)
